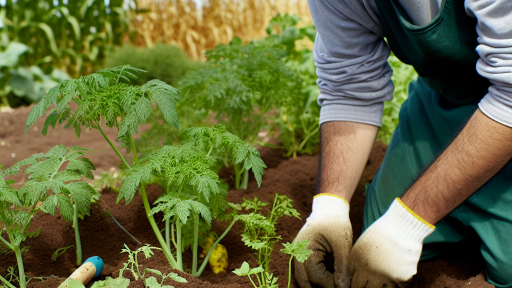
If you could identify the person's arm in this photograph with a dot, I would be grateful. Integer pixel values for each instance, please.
(345, 148)
(483, 146)
(481, 149)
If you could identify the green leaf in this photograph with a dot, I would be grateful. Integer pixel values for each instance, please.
(243, 270)
(165, 96)
(82, 165)
(66, 208)
(299, 250)
(71, 283)
(50, 204)
(81, 193)
(109, 282)
(151, 282)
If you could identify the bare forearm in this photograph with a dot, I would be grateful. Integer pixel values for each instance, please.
(345, 148)
(479, 151)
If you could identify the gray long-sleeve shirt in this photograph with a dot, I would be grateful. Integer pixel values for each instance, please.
(350, 54)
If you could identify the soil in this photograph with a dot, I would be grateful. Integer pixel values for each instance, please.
(295, 177)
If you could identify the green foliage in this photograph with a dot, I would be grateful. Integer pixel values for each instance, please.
(70, 35)
(45, 174)
(265, 279)
(133, 266)
(299, 250)
(60, 251)
(165, 62)
(193, 189)
(403, 74)
(20, 84)
(241, 83)
(107, 94)
(298, 120)
(227, 148)
(260, 231)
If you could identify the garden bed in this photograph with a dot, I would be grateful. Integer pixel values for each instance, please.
(295, 178)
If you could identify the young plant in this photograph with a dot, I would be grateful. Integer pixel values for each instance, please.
(264, 279)
(299, 250)
(19, 205)
(133, 266)
(260, 231)
(192, 187)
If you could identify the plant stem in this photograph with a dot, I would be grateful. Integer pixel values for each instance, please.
(151, 219)
(77, 237)
(201, 269)
(245, 180)
(290, 271)
(158, 235)
(6, 243)
(237, 176)
(6, 282)
(179, 257)
(21, 269)
(196, 241)
(253, 284)
(167, 233)
(112, 145)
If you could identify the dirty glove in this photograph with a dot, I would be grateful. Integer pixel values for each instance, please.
(389, 250)
(329, 231)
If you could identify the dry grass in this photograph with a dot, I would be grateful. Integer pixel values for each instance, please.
(195, 30)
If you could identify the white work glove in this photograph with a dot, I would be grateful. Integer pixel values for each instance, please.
(388, 252)
(329, 231)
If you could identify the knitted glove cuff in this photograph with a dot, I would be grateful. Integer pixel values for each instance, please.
(406, 224)
(329, 205)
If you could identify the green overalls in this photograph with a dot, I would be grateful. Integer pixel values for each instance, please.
(439, 104)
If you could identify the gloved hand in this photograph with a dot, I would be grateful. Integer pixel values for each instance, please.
(389, 250)
(329, 231)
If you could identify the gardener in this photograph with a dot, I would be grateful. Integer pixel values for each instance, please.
(447, 170)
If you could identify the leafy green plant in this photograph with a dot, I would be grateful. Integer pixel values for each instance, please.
(267, 280)
(193, 190)
(70, 35)
(69, 194)
(20, 84)
(241, 84)
(133, 266)
(259, 231)
(299, 250)
(164, 62)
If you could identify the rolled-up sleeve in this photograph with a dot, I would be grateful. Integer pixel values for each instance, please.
(495, 49)
(351, 59)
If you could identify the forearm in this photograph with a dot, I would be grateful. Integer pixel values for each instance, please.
(345, 148)
(477, 153)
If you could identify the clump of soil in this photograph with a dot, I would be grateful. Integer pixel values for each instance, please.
(294, 177)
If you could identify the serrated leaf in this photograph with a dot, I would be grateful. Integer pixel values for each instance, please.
(82, 165)
(65, 207)
(81, 193)
(50, 204)
(299, 250)
(71, 283)
(41, 107)
(165, 96)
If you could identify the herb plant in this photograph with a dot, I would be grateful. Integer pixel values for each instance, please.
(194, 193)
(19, 205)
(260, 231)
(133, 266)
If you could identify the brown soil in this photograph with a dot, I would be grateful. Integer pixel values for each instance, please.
(295, 178)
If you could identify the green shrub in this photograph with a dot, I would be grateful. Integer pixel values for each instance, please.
(165, 62)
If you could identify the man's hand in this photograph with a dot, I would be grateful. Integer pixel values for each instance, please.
(389, 250)
(329, 231)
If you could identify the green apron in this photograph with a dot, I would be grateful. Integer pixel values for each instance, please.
(439, 104)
